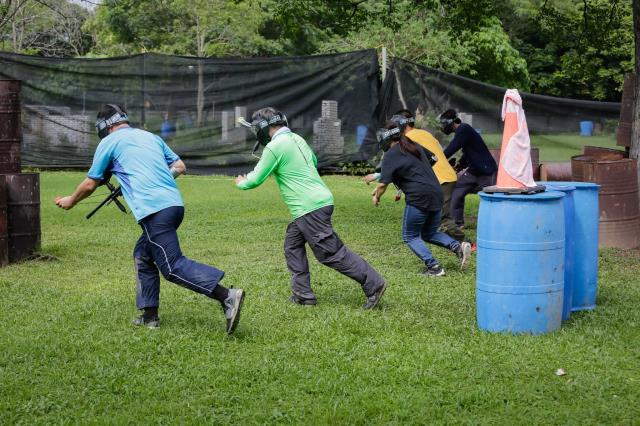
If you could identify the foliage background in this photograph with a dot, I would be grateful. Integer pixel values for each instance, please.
(569, 48)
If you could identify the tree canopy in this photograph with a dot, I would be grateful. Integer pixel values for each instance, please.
(569, 48)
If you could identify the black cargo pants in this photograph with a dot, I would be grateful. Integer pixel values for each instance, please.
(315, 229)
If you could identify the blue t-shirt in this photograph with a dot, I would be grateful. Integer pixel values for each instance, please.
(140, 161)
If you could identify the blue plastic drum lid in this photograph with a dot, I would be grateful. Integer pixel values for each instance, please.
(520, 262)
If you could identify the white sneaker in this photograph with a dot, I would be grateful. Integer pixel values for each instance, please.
(464, 253)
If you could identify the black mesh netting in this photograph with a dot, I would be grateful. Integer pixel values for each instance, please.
(428, 92)
(193, 103)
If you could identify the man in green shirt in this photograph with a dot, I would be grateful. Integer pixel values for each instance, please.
(289, 159)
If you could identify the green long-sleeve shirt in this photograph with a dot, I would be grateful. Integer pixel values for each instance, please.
(293, 163)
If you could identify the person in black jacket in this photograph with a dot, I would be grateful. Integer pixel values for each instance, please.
(408, 166)
(479, 167)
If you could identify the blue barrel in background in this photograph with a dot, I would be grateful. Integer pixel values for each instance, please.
(520, 262)
(586, 128)
(569, 243)
(585, 267)
(361, 134)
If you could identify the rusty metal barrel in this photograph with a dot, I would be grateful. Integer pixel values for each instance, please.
(618, 198)
(4, 233)
(555, 172)
(577, 166)
(10, 126)
(623, 135)
(600, 153)
(23, 214)
(592, 153)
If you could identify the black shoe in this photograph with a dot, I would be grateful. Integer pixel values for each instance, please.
(434, 271)
(231, 307)
(464, 253)
(153, 322)
(374, 299)
(300, 301)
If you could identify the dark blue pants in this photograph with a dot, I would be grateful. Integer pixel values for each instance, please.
(419, 226)
(159, 249)
(467, 184)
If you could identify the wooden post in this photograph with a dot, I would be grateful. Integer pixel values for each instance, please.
(384, 63)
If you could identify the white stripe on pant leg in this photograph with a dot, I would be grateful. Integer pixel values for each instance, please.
(169, 265)
(138, 282)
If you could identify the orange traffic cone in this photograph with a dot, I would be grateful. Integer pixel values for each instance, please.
(515, 173)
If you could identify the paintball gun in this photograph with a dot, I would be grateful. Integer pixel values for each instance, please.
(113, 196)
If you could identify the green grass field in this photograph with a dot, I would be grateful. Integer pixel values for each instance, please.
(70, 356)
(559, 147)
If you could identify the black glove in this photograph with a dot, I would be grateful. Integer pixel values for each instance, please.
(461, 164)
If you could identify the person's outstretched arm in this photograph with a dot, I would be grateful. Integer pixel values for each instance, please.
(263, 169)
(86, 188)
(455, 144)
(377, 193)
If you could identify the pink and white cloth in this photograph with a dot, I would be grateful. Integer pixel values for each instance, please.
(516, 158)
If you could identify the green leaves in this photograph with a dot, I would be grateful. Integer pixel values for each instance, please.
(580, 49)
(496, 60)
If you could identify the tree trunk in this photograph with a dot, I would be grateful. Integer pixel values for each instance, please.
(635, 123)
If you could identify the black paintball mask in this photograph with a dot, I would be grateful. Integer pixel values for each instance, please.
(447, 124)
(260, 128)
(386, 136)
(402, 122)
(104, 124)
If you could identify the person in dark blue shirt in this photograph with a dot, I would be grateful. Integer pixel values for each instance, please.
(479, 167)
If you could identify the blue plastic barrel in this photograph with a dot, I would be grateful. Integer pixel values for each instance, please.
(586, 128)
(520, 262)
(587, 215)
(569, 243)
(361, 134)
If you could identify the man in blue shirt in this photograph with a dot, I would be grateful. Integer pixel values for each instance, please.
(146, 169)
(479, 166)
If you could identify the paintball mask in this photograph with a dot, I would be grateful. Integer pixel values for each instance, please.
(401, 121)
(385, 136)
(446, 124)
(104, 124)
(260, 128)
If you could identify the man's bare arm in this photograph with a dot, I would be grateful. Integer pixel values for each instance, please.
(86, 188)
(178, 168)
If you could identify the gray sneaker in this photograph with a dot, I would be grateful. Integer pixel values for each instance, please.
(434, 270)
(374, 299)
(464, 253)
(300, 301)
(149, 323)
(231, 307)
